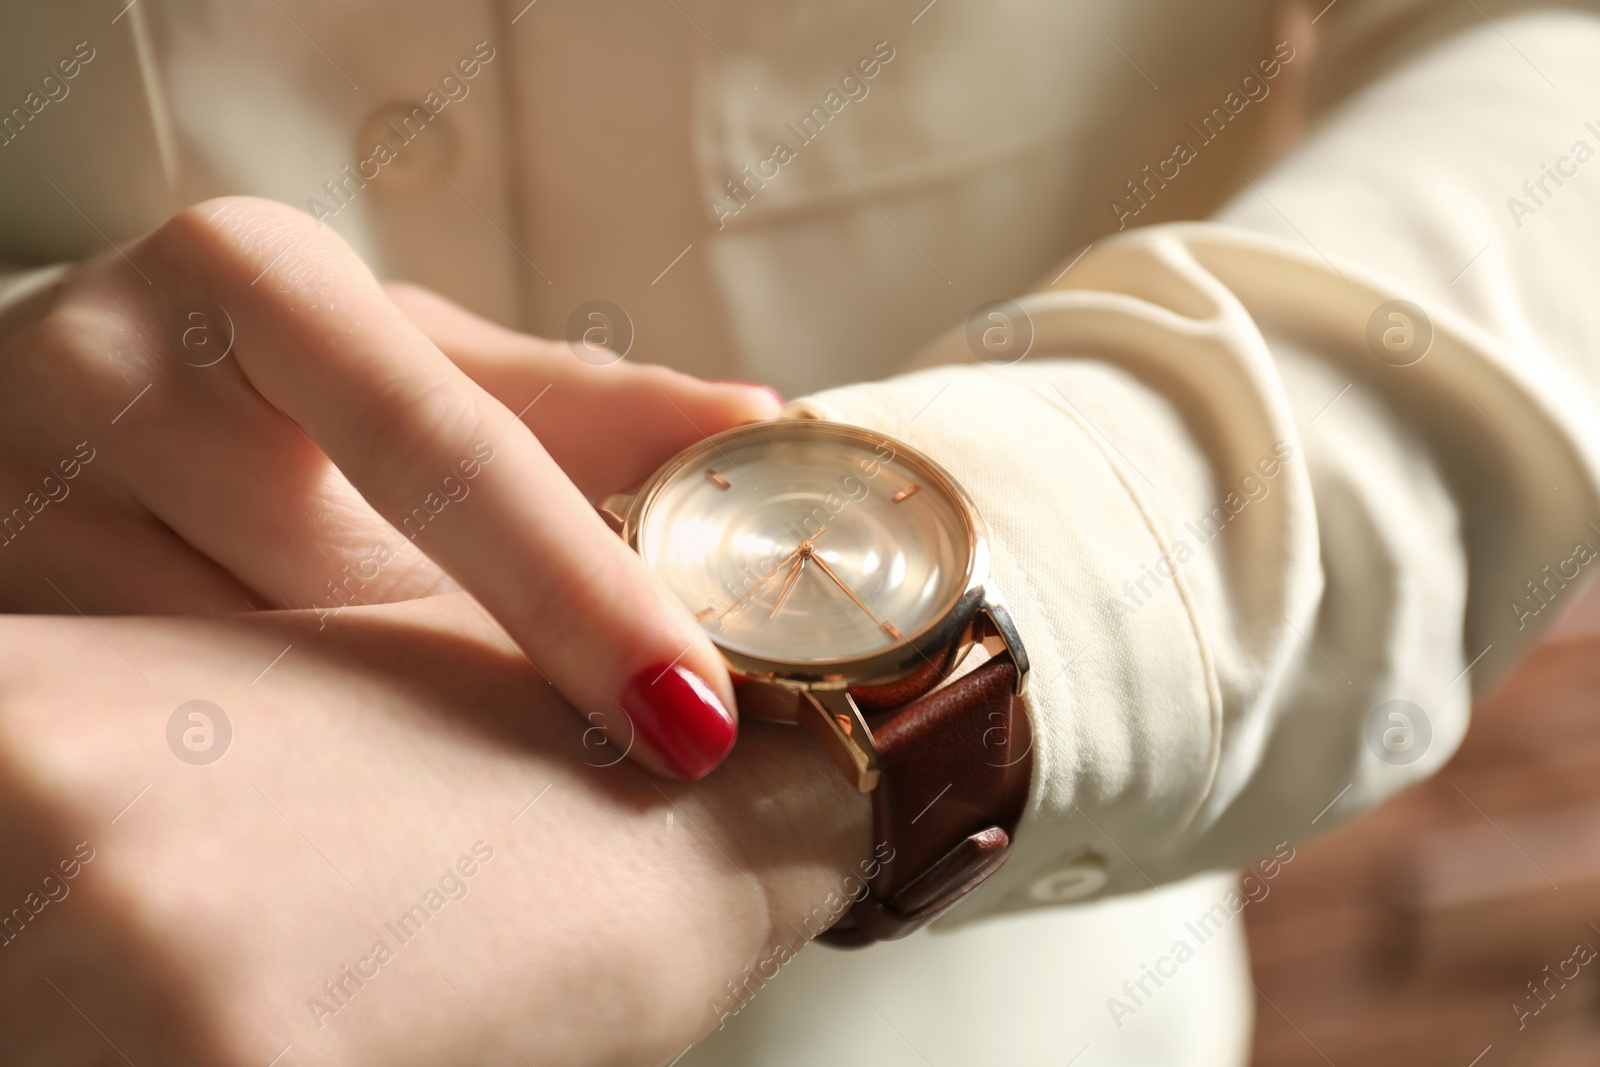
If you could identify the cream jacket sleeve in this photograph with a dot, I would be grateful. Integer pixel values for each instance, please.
(1242, 500)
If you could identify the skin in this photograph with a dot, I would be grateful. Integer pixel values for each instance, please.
(377, 738)
(362, 765)
(343, 416)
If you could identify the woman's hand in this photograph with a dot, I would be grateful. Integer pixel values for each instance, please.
(405, 854)
(233, 413)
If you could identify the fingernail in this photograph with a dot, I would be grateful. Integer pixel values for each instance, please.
(769, 390)
(677, 714)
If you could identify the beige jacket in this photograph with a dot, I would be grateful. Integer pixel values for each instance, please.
(1242, 500)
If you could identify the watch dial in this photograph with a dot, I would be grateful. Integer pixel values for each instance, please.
(808, 543)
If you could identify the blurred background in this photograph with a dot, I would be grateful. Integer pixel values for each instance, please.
(1448, 924)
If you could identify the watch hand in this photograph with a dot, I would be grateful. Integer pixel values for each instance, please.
(802, 548)
(884, 624)
(788, 584)
(754, 589)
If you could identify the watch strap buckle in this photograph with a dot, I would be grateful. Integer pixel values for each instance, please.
(922, 900)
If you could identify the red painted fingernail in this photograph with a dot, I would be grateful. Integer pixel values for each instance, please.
(678, 715)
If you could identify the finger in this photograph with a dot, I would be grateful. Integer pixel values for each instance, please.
(608, 426)
(454, 471)
(229, 481)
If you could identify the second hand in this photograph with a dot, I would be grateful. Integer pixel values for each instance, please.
(803, 550)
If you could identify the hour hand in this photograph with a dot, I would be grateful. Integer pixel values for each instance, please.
(788, 584)
(754, 589)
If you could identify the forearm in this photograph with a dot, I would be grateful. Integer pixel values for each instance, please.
(1236, 524)
(224, 904)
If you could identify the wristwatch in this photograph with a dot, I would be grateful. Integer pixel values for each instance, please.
(844, 576)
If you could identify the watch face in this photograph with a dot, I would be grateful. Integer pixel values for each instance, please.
(808, 542)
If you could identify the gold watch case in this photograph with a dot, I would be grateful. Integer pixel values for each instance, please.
(827, 698)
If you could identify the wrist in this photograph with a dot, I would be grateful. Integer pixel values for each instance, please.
(803, 832)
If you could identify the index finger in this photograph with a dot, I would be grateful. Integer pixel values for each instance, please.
(457, 473)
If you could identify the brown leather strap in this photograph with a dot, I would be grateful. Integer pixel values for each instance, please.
(956, 765)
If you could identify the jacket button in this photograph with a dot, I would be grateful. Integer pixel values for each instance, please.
(404, 142)
(1082, 877)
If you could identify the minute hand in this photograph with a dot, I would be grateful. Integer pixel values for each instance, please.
(887, 626)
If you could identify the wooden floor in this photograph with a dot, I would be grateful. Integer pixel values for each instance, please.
(1411, 937)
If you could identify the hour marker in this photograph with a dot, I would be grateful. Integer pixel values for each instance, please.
(704, 613)
(718, 480)
(890, 629)
(902, 494)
